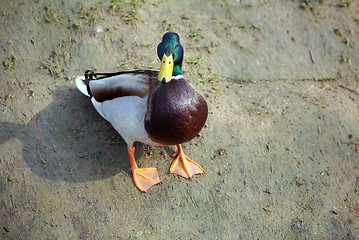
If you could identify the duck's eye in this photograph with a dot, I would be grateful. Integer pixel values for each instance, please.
(177, 45)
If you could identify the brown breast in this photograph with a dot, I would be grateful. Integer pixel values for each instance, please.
(176, 113)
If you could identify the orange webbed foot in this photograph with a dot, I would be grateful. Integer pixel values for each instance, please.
(144, 178)
(184, 166)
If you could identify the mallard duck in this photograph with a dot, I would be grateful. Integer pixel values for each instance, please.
(157, 108)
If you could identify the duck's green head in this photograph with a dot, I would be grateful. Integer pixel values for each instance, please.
(170, 52)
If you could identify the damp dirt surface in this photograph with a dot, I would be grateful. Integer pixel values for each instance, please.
(280, 147)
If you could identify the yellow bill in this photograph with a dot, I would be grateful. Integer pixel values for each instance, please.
(166, 69)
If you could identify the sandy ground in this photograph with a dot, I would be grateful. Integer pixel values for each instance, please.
(280, 148)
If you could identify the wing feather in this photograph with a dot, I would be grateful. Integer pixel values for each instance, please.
(125, 84)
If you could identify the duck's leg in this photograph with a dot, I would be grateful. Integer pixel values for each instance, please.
(184, 166)
(144, 178)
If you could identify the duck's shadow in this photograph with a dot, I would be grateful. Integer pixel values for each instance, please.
(69, 141)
